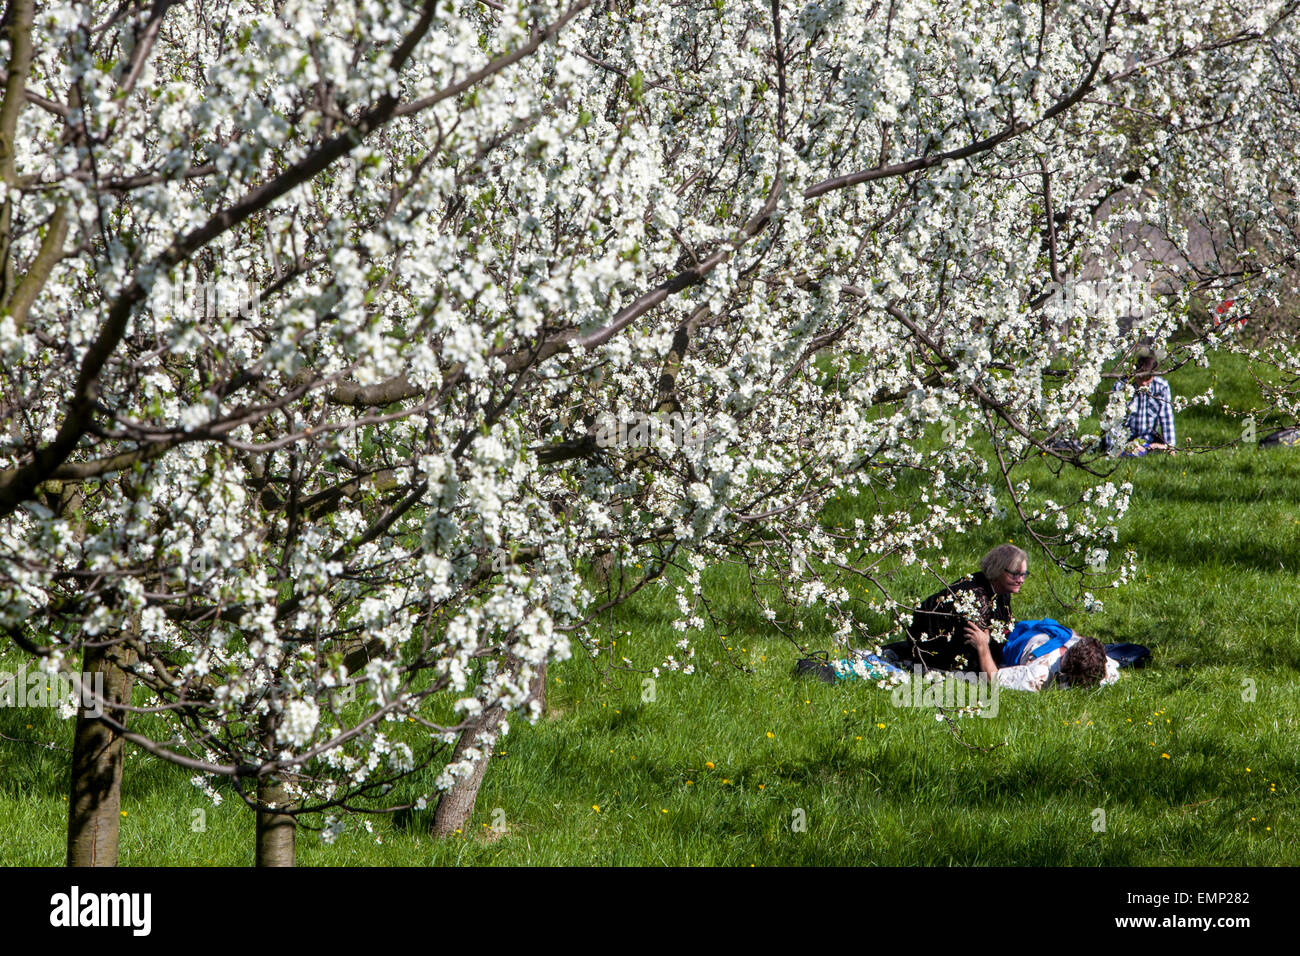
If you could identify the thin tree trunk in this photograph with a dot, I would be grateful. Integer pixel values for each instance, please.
(276, 832)
(538, 690)
(95, 789)
(456, 805)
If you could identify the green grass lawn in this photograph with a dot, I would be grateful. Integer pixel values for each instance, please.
(1192, 761)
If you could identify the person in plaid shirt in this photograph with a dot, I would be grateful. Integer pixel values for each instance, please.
(1150, 419)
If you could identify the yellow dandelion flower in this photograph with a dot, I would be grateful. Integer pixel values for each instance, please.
(596, 807)
(770, 735)
(708, 764)
(1166, 756)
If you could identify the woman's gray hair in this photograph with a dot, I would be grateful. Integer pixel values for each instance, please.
(1002, 558)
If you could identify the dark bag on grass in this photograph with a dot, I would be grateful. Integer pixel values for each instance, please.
(812, 667)
(1285, 436)
(1129, 655)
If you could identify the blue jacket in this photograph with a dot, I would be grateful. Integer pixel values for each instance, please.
(1026, 631)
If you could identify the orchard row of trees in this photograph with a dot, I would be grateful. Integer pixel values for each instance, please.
(314, 316)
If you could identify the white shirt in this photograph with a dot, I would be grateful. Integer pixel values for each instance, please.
(1038, 672)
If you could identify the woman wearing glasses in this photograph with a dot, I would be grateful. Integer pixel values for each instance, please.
(963, 627)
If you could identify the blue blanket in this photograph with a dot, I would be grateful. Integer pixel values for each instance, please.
(868, 667)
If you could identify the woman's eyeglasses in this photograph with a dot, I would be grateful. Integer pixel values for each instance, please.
(1018, 574)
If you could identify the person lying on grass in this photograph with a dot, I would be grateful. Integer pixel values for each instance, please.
(1044, 651)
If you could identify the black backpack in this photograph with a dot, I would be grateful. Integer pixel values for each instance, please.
(813, 667)
(1129, 655)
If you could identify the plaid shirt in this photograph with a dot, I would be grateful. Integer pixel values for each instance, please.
(1151, 411)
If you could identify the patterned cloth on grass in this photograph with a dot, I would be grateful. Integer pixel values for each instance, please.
(868, 667)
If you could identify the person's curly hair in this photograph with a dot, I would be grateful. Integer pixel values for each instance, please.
(1084, 664)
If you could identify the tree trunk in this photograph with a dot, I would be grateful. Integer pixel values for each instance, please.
(95, 789)
(538, 690)
(276, 832)
(456, 805)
